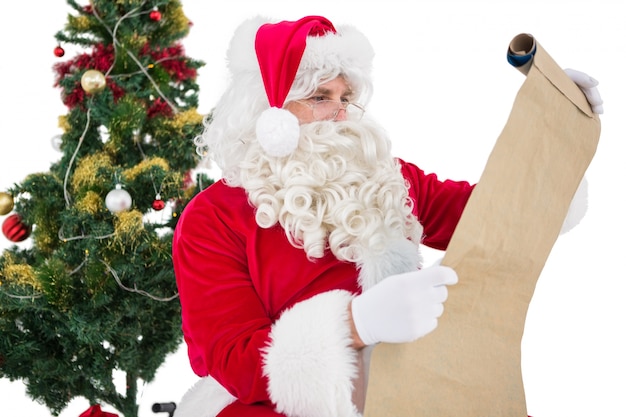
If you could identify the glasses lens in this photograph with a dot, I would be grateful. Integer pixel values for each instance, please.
(329, 109)
(325, 109)
(355, 112)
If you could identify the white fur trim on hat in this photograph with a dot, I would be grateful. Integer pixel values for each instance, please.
(278, 132)
(348, 48)
(241, 56)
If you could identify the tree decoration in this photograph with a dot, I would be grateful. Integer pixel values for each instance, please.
(19, 273)
(6, 203)
(56, 141)
(15, 229)
(59, 51)
(96, 411)
(118, 199)
(129, 228)
(93, 81)
(155, 15)
(94, 288)
(158, 204)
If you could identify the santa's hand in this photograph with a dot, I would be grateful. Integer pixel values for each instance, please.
(403, 307)
(589, 86)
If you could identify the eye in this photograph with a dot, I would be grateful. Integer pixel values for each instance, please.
(318, 98)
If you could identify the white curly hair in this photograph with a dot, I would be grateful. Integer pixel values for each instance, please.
(230, 129)
(341, 189)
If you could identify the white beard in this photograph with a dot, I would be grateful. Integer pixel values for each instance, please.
(342, 191)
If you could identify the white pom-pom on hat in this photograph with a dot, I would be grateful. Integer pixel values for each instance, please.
(278, 132)
(279, 48)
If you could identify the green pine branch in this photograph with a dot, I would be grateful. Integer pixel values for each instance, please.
(94, 296)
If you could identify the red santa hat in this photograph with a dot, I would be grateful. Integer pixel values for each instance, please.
(284, 49)
(279, 48)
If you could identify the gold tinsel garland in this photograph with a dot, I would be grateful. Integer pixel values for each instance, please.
(90, 203)
(63, 123)
(79, 23)
(45, 241)
(144, 166)
(19, 274)
(86, 172)
(128, 228)
(180, 21)
(183, 119)
(137, 41)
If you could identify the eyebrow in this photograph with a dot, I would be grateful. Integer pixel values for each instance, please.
(325, 91)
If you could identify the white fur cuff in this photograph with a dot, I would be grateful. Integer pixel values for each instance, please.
(205, 399)
(310, 363)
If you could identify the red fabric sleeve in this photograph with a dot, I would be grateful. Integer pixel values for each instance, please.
(235, 280)
(438, 204)
(238, 409)
(224, 321)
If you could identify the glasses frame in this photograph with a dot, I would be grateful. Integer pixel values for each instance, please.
(341, 105)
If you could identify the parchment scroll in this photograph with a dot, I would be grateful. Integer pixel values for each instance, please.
(470, 366)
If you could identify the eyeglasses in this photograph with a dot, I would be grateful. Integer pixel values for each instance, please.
(329, 109)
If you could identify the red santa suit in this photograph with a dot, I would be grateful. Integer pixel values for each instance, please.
(265, 326)
(268, 327)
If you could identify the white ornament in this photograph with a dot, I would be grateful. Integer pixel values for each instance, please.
(56, 142)
(118, 200)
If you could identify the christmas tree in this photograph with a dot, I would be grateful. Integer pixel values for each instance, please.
(94, 296)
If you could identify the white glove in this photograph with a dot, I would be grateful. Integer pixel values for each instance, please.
(402, 307)
(588, 85)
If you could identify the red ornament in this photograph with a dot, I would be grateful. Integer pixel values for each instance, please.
(15, 229)
(96, 411)
(155, 15)
(59, 52)
(158, 204)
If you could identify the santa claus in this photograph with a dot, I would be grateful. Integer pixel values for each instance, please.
(306, 253)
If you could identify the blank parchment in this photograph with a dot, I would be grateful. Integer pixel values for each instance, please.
(470, 366)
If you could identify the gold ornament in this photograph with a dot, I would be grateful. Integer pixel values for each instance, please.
(6, 203)
(93, 81)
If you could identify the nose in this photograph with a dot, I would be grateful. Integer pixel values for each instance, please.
(342, 115)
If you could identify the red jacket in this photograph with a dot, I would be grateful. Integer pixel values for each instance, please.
(236, 280)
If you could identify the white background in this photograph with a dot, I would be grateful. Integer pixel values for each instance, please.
(443, 91)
